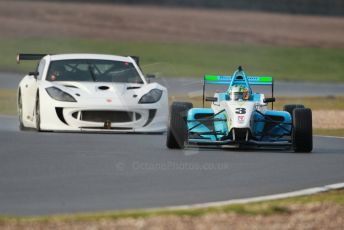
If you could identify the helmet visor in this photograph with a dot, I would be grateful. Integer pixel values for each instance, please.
(235, 96)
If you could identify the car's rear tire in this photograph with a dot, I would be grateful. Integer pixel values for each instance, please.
(302, 130)
(38, 115)
(290, 108)
(177, 130)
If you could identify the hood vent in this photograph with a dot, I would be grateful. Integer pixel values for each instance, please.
(133, 87)
(71, 86)
(103, 87)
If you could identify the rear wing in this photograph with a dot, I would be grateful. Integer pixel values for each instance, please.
(29, 57)
(228, 80)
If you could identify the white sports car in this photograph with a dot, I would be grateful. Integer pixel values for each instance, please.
(90, 92)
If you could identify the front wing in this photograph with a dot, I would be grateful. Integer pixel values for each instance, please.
(201, 133)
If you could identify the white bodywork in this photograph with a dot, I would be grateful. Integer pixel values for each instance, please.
(239, 112)
(118, 97)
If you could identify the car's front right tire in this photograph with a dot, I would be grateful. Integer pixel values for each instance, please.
(177, 130)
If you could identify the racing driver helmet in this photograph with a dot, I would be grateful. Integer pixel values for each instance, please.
(238, 93)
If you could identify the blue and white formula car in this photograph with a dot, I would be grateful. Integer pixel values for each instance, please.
(239, 117)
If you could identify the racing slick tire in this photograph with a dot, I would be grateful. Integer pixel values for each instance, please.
(20, 113)
(302, 130)
(38, 115)
(290, 108)
(177, 130)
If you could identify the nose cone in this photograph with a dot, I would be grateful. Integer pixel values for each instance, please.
(239, 113)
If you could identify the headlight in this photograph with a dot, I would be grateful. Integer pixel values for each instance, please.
(151, 97)
(59, 95)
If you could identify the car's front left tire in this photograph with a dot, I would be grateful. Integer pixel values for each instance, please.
(38, 114)
(177, 130)
(20, 113)
(290, 108)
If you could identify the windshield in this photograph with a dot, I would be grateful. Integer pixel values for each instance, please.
(93, 70)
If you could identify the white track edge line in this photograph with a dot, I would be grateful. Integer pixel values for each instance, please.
(303, 192)
(329, 136)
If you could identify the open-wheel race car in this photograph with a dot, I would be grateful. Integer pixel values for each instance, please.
(240, 118)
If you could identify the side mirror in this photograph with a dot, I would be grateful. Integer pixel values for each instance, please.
(34, 74)
(150, 77)
(269, 99)
(212, 99)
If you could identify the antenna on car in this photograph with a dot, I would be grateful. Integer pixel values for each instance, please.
(240, 68)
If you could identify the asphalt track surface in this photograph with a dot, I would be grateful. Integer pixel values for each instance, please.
(193, 86)
(52, 173)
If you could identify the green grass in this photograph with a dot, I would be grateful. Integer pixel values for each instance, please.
(258, 208)
(183, 59)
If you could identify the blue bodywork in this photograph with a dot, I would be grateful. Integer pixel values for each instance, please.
(268, 127)
(282, 127)
(202, 128)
